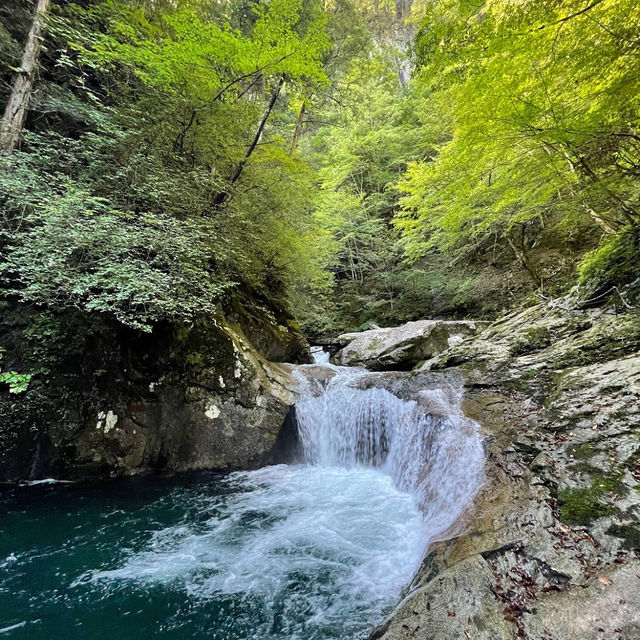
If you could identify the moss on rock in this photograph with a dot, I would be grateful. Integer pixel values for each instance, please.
(582, 505)
(530, 340)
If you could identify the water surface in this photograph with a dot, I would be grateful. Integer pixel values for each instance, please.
(315, 551)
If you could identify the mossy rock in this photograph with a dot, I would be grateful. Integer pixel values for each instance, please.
(630, 534)
(584, 451)
(582, 505)
(530, 340)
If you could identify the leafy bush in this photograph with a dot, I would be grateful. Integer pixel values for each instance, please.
(615, 261)
(18, 382)
(72, 249)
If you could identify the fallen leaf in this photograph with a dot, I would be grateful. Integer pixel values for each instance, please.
(605, 581)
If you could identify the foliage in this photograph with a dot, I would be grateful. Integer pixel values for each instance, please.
(122, 200)
(613, 262)
(359, 152)
(368, 137)
(178, 152)
(535, 115)
(77, 251)
(18, 382)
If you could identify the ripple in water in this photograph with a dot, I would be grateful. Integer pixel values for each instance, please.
(303, 552)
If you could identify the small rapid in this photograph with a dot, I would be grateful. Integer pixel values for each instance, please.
(317, 550)
(417, 436)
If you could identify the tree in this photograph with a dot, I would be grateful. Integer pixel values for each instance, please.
(15, 113)
(151, 111)
(537, 121)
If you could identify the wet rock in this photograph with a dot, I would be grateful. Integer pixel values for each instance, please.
(125, 402)
(555, 339)
(553, 546)
(607, 608)
(458, 603)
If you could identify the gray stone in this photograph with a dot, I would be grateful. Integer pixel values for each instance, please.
(185, 397)
(401, 347)
(551, 547)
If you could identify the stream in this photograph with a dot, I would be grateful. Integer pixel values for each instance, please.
(315, 550)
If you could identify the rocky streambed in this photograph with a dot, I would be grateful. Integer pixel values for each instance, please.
(552, 550)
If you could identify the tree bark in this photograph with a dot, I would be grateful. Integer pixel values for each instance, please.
(15, 112)
(298, 130)
(581, 166)
(518, 245)
(221, 197)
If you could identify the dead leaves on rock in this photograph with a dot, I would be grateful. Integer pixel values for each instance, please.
(411, 631)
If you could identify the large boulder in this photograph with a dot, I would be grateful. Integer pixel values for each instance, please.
(116, 401)
(401, 347)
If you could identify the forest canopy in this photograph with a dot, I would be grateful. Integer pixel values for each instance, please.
(537, 124)
(352, 161)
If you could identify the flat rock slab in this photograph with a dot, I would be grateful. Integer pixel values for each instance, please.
(402, 347)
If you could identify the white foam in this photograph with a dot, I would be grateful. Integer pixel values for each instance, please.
(320, 356)
(429, 448)
(336, 538)
(34, 483)
(13, 627)
(350, 536)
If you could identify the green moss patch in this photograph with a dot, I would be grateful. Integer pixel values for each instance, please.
(582, 505)
(630, 534)
(530, 340)
(584, 451)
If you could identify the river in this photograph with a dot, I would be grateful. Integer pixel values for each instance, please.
(315, 550)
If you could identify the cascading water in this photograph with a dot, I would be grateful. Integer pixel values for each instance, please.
(426, 445)
(320, 356)
(313, 551)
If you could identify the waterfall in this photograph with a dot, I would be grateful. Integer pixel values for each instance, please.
(320, 356)
(423, 442)
(318, 550)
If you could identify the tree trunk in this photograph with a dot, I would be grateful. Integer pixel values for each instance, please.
(630, 215)
(15, 112)
(518, 244)
(298, 130)
(221, 197)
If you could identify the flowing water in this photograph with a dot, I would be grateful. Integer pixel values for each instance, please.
(312, 551)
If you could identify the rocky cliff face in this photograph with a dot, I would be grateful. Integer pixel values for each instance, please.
(552, 550)
(118, 401)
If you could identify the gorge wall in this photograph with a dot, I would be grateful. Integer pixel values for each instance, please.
(107, 400)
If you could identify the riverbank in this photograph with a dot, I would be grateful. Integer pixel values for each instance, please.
(551, 551)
